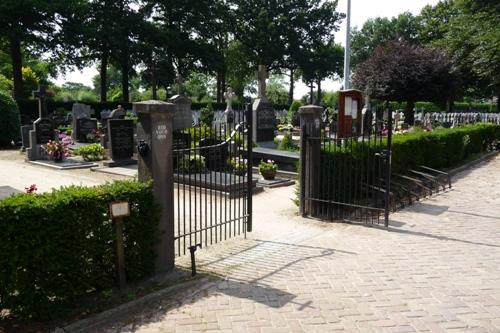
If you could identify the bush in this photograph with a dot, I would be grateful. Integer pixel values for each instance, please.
(9, 119)
(293, 117)
(191, 164)
(92, 152)
(207, 115)
(56, 247)
(287, 143)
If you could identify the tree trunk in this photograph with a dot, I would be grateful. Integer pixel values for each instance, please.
(450, 105)
(292, 87)
(318, 99)
(104, 73)
(17, 67)
(409, 114)
(125, 69)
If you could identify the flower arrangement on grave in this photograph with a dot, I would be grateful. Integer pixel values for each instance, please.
(57, 150)
(239, 165)
(268, 169)
(94, 136)
(31, 189)
(92, 152)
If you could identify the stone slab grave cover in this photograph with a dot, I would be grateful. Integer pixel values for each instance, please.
(7, 191)
(84, 126)
(121, 140)
(264, 119)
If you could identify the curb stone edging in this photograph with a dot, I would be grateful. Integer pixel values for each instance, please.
(100, 320)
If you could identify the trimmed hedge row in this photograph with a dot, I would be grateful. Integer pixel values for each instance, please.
(442, 148)
(56, 247)
(344, 168)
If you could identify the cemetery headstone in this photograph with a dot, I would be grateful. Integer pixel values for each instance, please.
(216, 156)
(78, 111)
(181, 140)
(118, 113)
(229, 113)
(182, 117)
(84, 127)
(264, 119)
(43, 128)
(25, 136)
(121, 140)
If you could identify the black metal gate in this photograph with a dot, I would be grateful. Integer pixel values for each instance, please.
(350, 181)
(212, 190)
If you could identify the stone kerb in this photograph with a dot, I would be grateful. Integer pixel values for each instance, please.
(310, 126)
(154, 137)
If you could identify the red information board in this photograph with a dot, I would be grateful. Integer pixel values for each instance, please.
(350, 105)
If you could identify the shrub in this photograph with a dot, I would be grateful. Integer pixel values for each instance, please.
(207, 115)
(9, 119)
(293, 117)
(191, 164)
(287, 143)
(92, 152)
(200, 132)
(56, 247)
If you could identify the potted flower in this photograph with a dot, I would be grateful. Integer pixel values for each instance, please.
(239, 165)
(268, 169)
(57, 150)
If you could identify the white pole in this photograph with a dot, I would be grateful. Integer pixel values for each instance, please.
(347, 54)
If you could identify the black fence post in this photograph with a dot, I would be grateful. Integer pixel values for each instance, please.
(249, 122)
(388, 166)
(310, 149)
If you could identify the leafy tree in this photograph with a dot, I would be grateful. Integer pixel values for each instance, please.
(379, 31)
(276, 91)
(400, 71)
(32, 24)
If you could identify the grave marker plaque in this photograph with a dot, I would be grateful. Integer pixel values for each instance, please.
(215, 156)
(85, 126)
(121, 138)
(181, 140)
(264, 120)
(44, 129)
(183, 117)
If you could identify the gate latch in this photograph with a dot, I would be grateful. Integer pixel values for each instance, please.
(143, 148)
(192, 249)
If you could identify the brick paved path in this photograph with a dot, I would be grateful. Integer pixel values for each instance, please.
(438, 269)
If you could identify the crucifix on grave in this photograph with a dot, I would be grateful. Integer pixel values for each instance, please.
(228, 113)
(178, 80)
(41, 94)
(262, 76)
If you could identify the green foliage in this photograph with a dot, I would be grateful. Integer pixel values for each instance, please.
(5, 83)
(92, 152)
(331, 99)
(287, 143)
(276, 91)
(56, 247)
(9, 119)
(191, 164)
(292, 116)
(200, 132)
(207, 115)
(267, 166)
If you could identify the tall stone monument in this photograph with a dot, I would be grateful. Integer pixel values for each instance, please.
(43, 128)
(264, 119)
(229, 113)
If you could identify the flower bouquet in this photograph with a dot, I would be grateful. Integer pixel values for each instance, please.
(268, 169)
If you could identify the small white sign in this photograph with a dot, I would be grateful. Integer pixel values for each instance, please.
(119, 209)
(161, 132)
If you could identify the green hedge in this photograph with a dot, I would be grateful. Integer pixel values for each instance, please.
(9, 119)
(56, 247)
(343, 168)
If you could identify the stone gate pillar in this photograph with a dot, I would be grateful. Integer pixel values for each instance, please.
(310, 149)
(154, 138)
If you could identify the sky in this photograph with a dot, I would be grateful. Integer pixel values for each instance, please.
(361, 10)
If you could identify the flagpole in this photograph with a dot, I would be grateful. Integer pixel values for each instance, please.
(347, 52)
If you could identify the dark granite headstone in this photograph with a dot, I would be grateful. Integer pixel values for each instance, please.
(121, 139)
(25, 135)
(183, 117)
(215, 155)
(85, 126)
(181, 140)
(44, 129)
(264, 120)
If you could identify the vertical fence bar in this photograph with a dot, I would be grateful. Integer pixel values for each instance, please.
(249, 165)
(388, 166)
